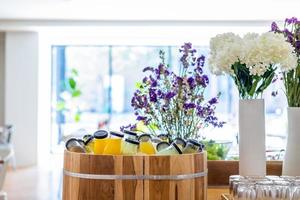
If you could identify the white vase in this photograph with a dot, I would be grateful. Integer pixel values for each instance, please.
(252, 145)
(291, 163)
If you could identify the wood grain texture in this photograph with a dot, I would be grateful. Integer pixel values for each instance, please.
(219, 171)
(86, 189)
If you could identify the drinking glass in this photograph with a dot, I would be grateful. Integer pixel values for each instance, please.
(296, 190)
(244, 190)
(233, 178)
(281, 190)
(264, 190)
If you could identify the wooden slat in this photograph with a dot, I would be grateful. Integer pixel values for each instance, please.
(219, 171)
(175, 165)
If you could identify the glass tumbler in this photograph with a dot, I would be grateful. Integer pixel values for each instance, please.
(233, 178)
(245, 190)
(264, 190)
(296, 190)
(281, 190)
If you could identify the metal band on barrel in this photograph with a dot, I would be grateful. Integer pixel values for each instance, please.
(135, 177)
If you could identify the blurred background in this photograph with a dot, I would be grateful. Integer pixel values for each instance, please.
(70, 67)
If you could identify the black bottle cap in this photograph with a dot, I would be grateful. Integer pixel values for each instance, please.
(132, 141)
(130, 132)
(100, 134)
(115, 133)
(195, 142)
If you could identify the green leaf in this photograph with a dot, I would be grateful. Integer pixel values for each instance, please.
(153, 126)
(76, 93)
(72, 83)
(60, 106)
(77, 117)
(253, 88)
(266, 82)
(138, 85)
(74, 72)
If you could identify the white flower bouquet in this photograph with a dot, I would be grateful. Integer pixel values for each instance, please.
(251, 60)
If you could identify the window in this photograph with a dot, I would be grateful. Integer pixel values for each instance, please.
(105, 77)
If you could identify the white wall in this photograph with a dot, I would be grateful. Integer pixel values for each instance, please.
(2, 50)
(21, 86)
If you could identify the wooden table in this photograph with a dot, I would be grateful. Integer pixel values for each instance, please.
(214, 193)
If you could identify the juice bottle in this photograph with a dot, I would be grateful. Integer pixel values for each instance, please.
(173, 149)
(146, 145)
(86, 137)
(161, 146)
(180, 143)
(114, 143)
(89, 143)
(130, 134)
(130, 147)
(100, 141)
(192, 146)
(74, 145)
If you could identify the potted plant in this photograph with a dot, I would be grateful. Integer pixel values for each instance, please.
(251, 61)
(291, 80)
(172, 102)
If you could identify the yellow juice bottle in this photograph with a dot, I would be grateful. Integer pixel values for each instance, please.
(146, 146)
(100, 141)
(114, 144)
(89, 143)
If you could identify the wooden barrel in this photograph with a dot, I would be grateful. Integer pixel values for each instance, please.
(107, 177)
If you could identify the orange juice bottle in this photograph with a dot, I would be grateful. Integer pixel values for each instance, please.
(100, 141)
(146, 145)
(114, 144)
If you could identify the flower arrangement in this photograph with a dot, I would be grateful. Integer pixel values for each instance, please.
(291, 76)
(173, 103)
(251, 60)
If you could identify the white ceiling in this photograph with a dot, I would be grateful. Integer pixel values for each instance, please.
(149, 9)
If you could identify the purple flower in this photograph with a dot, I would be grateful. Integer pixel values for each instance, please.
(291, 20)
(159, 93)
(289, 35)
(170, 95)
(152, 95)
(202, 80)
(188, 106)
(297, 45)
(129, 126)
(201, 61)
(275, 78)
(153, 83)
(145, 79)
(139, 101)
(141, 118)
(179, 80)
(148, 69)
(274, 27)
(213, 101)
(185, 48)
(191, 82)
(274, 93)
